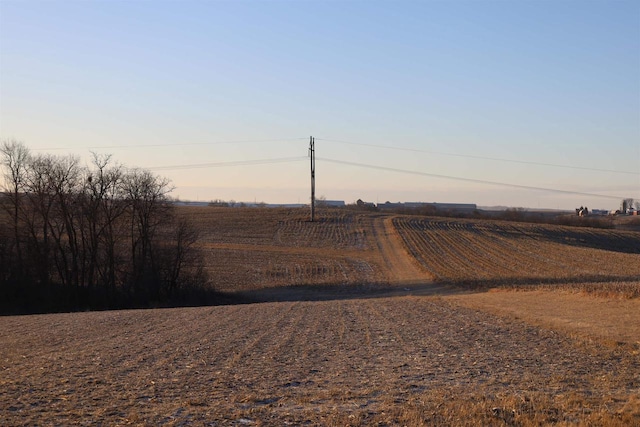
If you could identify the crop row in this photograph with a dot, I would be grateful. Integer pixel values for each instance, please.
(282, 227)
(332, 229)
(235, 269)
(480, 250)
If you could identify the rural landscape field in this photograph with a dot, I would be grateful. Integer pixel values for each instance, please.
(357, 318)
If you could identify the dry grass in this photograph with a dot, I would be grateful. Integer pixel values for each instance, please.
(377, 348)
(612, 321)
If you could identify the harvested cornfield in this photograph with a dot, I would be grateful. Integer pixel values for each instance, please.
(499, 254)
(371, 320)
(389, 361)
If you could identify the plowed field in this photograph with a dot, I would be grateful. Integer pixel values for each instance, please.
(371, 322)
(494, 254)
(397, 361)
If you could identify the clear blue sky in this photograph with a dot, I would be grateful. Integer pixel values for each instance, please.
(552, 82)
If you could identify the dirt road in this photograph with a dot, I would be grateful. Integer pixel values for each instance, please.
(401, 268)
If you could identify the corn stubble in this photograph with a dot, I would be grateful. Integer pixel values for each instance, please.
(409, 356)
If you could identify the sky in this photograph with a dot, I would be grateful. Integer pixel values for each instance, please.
(516, 103)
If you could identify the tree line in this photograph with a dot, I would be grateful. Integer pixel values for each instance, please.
(98, 236)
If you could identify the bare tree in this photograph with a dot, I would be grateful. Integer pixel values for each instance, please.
(15, 158)
(107, 207)
(36, 212)
(177, 256)
(81, 233)
(65, 178)
(147, 197)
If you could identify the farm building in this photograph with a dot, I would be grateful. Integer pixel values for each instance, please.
(332, 203)
(456, 207)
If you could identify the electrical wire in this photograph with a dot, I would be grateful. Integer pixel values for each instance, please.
(469, 156)
(457, 178)
(343, 162)
(227, 164)
(177, 144)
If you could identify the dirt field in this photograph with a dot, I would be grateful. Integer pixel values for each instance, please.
(368, 320)
(391, 360)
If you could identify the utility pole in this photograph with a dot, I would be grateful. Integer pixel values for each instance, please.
(312, 155)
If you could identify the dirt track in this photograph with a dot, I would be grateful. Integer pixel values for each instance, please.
(401, 268)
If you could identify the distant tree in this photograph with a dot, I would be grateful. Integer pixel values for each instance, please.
(626, 204)
(514, 214)
(219, 202)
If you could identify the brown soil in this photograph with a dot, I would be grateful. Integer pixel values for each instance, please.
(393, 361)
(401, 268)
(375, 320)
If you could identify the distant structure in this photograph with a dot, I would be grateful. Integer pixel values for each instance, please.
(190, 203)
(582, 211)
(331, 203)
(387, 206)
(454, 207)
(367, 205)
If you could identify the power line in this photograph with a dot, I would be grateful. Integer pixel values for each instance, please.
(478, 181)
(470, 156)
(312, 155)
(177, 144)
(227, 164)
